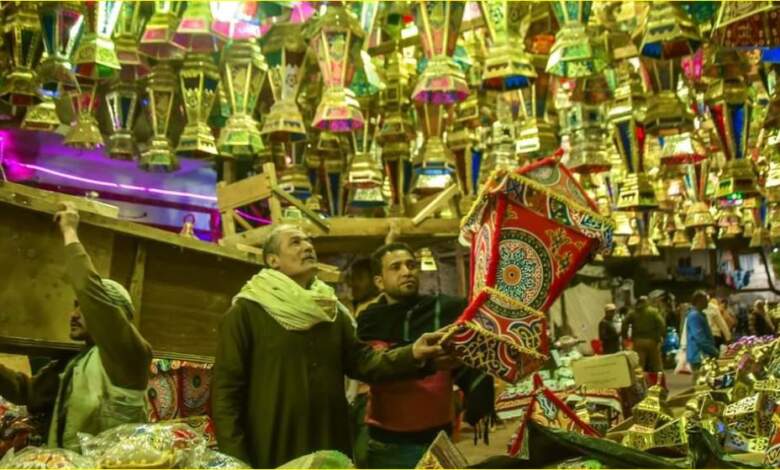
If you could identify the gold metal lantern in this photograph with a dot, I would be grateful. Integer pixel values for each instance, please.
(576, 52)
(194, 32)
(161, 89)
(85, 133)
(96, 57)
(434, 165)
(507, 65)
(198, 77)
(122, 104)
(41, 117)
(22, 37)
(157, 40)
(62, 24)
(129, 28)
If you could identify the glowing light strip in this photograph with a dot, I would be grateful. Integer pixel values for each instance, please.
(109, 184)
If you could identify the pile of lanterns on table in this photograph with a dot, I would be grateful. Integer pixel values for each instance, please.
(668, 111)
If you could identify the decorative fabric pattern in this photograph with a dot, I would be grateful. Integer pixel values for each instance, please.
(178, 389)
(530, 231)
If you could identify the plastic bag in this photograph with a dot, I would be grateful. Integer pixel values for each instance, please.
(209, 458)
(321, 459)
(159, 445)
(40, 457)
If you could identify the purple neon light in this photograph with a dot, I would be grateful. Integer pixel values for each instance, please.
(109, 184)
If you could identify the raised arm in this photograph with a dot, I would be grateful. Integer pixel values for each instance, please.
(229, 386)
(125, 354)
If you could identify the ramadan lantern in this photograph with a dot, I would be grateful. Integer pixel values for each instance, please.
(668, 32)
(507, 66)
(194, 32)
(161, 90)
(62, 24)
(96, 57)
(434, 165)
(42, 116)
(129, 28)
(576, 53)
(122, 105)
(157, 40)
(537, 135)
(21, 42)
(85, 133)
(198, 77)
(243, 72)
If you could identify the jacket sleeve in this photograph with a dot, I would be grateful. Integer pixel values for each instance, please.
(230, 384)
(362, 362)
(698, 333)
(479, 394)
(36, 393)
(125, 353)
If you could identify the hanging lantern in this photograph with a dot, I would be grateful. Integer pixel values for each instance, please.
(336, 38)
(295, 180)
(194, 32)
(157, 40)
(243, 72)
(433, 165)
(364, 172)
(587, 142)
(198, 77)
(731, 109)
(682, 149)
(61, 26)
(41, 117)
(96, 58)
(122, 105)
(668, 32)
(576, 53)
(161, 89)
(22, 36)
(129, 28)
(645, 248)
(623, 231)
(85, 133)
(729, 219)
(537, 134)
(699, 218)
(507, 66)
(285, 52)
(667, 114)
(500, 153)
(236, 20)
(427, 261)
(442, 81)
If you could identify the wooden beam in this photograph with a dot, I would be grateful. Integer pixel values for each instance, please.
(136, 286)
(242, 221)
(244, 192)
(269, 169)
(436, 204)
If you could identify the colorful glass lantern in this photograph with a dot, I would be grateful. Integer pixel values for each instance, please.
(161, 90)
(530, 231)
(61, 26)
(442, 81)
(194, 32)
(85, 133)
(434, 164)
(122, 105)
(22, 37)
(199, 77)
(41, 117)
(507, 66)
(96, 58)
(337, 38)
(668, 32)
(587, 141)
(235, 20)
(129, 28)
(243, 73)
(157, 41)
(576, 53)
(285, 52)
(666, 114)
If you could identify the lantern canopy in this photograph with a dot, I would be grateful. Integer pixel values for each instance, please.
(194, 33)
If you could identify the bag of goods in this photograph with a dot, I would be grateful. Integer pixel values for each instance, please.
(40, 457)
(209, 458)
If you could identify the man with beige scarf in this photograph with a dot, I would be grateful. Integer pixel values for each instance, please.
(284, 348)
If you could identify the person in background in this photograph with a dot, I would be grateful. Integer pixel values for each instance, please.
(608, 334)
(728, 315)
(699, 341)
(721, 333)
(759, 323)
(105, 384)
(648, 329)
(405, 416)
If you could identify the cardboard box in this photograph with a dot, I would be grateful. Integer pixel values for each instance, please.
(608, 371)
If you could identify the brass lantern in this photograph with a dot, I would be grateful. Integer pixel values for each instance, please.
(61, 26)
(194, 32)
(668, 32)
(157, 40)
(129, 28)
(576, 53)
(285, 53)
(42, 116)
(122, 104)
(507, 66)
(22, 37)
(243, 73)
(161, 90)
(337, 38)
(235, 20)
(537, 134)
(587, 141)
(682, 149)
(96, 57)
(667, 113)
(199, 77)
(442, 82)
(364, 171)
(434, 164)
(85, 133)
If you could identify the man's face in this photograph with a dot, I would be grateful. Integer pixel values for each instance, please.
(609, 314)
(78, 327)
(701, 302)
(297, 258)
(400, 276)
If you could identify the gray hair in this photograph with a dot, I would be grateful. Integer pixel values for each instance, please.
(273, 240)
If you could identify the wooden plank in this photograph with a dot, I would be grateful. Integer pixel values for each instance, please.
(273, 203)
(243, 192)
(441, 199)
(242, 221)
(136, 285)
(51, 200)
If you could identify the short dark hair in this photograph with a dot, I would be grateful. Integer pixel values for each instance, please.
(701, 293)
(273, 240)
(379, 253)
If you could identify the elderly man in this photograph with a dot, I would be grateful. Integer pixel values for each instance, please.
(404, 416)
(105, 384)
(284, 348)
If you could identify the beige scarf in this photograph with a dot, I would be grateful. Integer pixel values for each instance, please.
(292, 306)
